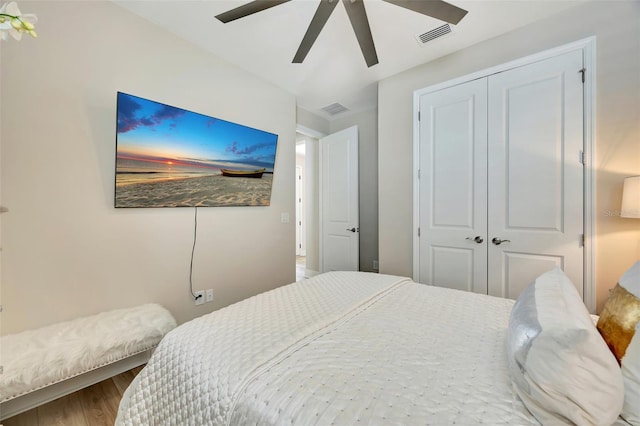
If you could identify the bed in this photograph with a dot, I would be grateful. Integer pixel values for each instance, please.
(341, 348)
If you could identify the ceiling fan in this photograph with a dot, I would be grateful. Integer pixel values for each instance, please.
(438, 9)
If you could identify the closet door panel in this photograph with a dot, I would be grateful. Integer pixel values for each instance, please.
(521, 267)
(535, 178)
(453, 203)
(453, 267)
(532, 141)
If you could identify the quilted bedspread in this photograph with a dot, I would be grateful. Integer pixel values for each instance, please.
(342, 348)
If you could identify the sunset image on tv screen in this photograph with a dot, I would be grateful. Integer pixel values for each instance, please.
(171, 157)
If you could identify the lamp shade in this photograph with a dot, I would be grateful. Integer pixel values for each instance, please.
(631, 197)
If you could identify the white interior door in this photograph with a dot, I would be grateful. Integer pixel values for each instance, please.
(339, 216)
(535, 173)
(453, 188)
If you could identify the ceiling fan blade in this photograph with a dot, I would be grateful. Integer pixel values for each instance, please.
(248, 9)
(435, 8)
(325, 8)
(358, 17)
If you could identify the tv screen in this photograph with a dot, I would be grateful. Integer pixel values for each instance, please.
(171, 157)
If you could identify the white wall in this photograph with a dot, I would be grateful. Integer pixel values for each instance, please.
(66, 251)
(617, 28)
(312, 121)
(367, 122)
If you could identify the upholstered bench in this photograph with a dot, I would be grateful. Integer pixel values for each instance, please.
(41, 365)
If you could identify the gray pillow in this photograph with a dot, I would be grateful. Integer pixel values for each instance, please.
(559, 364)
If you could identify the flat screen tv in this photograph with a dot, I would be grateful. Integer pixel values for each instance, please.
(171, 157)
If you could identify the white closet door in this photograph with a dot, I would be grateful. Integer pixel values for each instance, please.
(535, 175)
(453, 198)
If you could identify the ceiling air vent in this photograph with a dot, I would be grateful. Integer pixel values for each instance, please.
(434, 33)
(335, 109)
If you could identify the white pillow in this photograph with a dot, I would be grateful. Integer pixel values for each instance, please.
(559, 364)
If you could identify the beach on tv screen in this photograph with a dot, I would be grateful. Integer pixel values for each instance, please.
(170, 157)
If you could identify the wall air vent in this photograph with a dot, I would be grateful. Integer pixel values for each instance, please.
(335, 108)
(435, 33)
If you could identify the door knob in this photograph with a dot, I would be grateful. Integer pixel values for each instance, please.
(353, 229)
(478, 239)
(497, 241)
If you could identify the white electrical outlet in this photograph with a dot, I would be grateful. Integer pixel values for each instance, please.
(375, 265)
(199, 300)
(209, 295)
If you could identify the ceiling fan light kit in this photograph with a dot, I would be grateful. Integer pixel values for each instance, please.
(357, 13)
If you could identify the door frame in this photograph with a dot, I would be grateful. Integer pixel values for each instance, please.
(301, 244)
(311, 197)
(588, 48)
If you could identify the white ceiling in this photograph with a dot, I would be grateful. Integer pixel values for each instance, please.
(334, 70)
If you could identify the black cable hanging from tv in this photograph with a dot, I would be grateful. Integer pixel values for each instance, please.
(193, 248)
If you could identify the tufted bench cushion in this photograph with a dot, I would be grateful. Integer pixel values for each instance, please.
(34, 361)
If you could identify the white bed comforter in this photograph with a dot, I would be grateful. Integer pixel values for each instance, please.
(341, 348)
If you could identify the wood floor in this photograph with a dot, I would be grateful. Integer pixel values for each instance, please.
(96, 405)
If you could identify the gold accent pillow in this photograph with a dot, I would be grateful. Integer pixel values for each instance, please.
(618, 320)
(619, 325)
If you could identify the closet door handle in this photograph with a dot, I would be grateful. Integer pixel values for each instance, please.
(478, 239)
(497, 241)
(353, 229)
